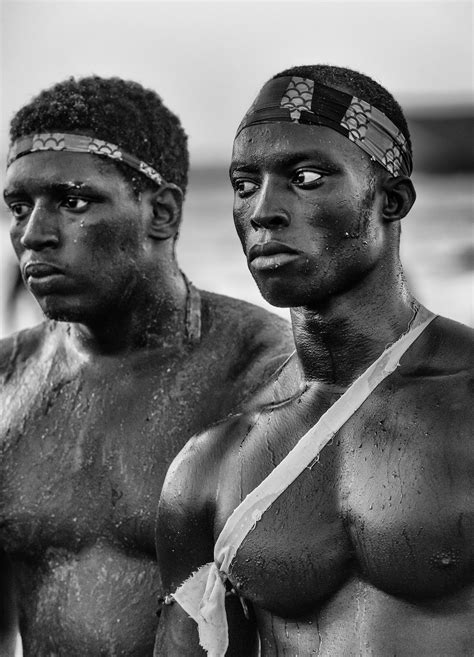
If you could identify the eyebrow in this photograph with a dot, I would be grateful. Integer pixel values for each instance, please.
(53, 188)
(279, 161)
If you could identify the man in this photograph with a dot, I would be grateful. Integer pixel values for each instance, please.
(131, 361)
(356, 535)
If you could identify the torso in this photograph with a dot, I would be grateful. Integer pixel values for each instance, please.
(369, 551)
(85, 448)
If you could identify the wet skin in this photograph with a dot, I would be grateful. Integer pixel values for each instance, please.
(369, 551)
(329, 185)
(97, 405)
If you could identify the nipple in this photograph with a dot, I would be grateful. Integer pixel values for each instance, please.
(445, 559)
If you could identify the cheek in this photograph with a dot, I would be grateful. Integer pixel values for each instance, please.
(111, 241)
(323, 223)
(15, 237)
(241, 223)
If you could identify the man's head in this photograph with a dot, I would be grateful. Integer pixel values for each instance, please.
(117, 111)
(96, 207)
(320, 169)
(359, 85)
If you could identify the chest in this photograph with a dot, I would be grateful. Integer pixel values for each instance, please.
(84, 457)
(379, 502)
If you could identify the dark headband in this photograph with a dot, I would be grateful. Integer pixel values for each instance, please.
(304, 101)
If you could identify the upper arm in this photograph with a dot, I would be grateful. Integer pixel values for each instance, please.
(184, 538)
(185, 541)
(183, 544)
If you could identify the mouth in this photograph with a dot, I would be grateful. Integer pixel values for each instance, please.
(40, 273)
(271, 255)
(40, 270)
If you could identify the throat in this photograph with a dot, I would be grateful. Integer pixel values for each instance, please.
(335, 349)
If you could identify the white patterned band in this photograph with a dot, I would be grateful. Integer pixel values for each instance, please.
(59, 141)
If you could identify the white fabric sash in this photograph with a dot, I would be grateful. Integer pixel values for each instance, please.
(202, 595)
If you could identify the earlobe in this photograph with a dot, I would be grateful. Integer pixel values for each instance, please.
(400, 196)
(166, 215)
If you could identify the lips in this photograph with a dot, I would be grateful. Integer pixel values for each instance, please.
(269, 249)
(270, 257)
(40, 270)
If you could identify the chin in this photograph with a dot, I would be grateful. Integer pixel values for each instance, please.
(280, 296)
(61, 311)
(285, 287)
(63, 315)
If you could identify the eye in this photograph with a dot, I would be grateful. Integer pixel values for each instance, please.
(306, 178)
(244, 187)
(76, 204)
(19, 210)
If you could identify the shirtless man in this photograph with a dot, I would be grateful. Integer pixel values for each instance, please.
(368, 548)
(131, 361)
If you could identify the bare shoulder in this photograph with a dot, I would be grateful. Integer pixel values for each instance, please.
(445, 350)
(252, 342)
(224, 307)
(19, 349)
(452, 344)
(433, 392)
(190, 484)
(247, 323)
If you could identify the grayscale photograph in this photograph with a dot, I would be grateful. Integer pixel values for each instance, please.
(236, 344)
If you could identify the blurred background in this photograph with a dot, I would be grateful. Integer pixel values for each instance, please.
(208, 60)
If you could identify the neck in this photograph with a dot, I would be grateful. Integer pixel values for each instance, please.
(337, 340)
(150, 317)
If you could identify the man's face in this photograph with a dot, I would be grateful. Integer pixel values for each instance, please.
(307, 210)
(78, 233)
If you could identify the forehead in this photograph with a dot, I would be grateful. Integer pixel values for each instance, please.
(61, 167)
(272, 142)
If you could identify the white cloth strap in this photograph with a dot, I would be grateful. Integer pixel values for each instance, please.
(202, 595)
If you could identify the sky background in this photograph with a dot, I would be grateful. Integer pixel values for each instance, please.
(209, 59)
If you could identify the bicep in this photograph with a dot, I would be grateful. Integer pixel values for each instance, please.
(184, 538)
(185, 542)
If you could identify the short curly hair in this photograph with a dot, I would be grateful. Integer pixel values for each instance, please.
(119, 111)
(360, 85)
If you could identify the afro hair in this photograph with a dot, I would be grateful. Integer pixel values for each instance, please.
(115, 110)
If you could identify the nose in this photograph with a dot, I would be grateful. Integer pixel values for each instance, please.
(41, 230)
(268, 211)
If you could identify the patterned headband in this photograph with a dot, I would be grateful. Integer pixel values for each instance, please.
(58, 141)
(304, 101)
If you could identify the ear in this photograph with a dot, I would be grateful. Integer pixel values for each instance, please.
(166, 215)
(400, 196)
